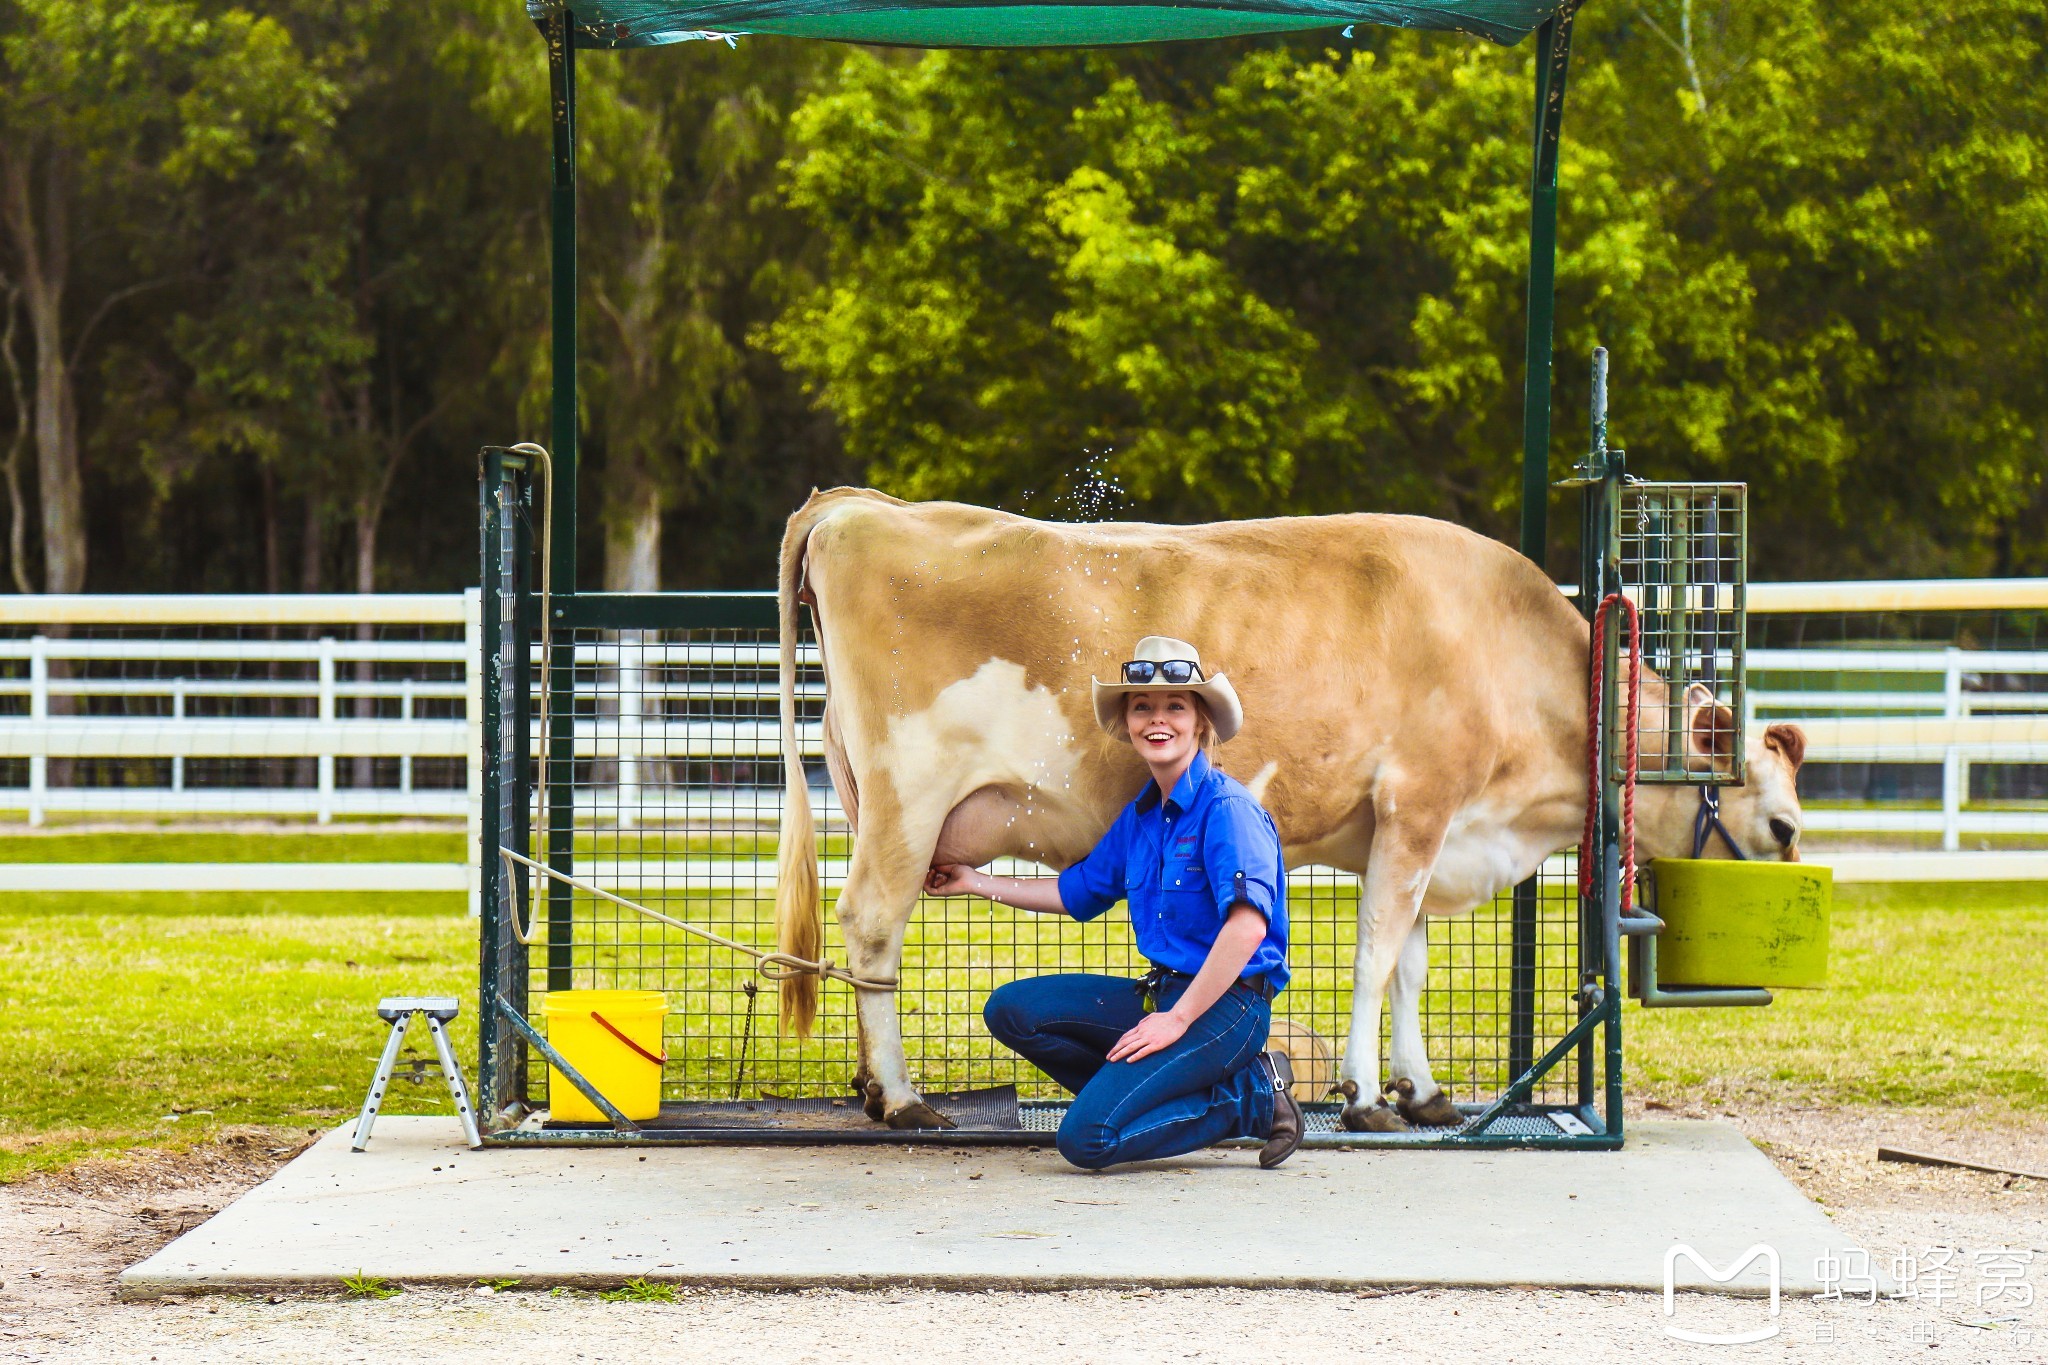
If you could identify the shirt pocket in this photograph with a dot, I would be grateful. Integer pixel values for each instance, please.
(1189, 915)
(1186, 874)
(1184, 890)
(1180, 860)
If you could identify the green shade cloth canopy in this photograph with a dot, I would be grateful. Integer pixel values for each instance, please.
(964, 23)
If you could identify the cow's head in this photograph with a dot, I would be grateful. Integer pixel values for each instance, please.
(1762, 815)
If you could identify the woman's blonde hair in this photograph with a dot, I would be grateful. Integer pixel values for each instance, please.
(1205, 724)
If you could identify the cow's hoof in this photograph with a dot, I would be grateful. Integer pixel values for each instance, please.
(1374, 1118)
(871, 1101)
(1435, 1112)
(919, 1115)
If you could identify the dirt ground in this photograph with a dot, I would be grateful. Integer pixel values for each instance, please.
(64, 1238)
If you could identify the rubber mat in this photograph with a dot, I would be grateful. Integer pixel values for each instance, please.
(993, 1110)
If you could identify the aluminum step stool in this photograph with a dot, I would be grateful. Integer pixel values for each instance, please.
(397, 1011)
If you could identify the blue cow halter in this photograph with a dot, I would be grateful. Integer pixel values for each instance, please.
(1707, 823)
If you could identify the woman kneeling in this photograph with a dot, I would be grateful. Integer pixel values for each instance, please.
(1172, 1062)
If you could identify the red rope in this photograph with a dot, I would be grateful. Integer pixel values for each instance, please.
(1633, 725)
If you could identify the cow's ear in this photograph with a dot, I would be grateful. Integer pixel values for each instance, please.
(1710, 725)
(1788, 740)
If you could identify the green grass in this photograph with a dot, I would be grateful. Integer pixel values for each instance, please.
(405, 846)
(1933, 999)
(361, 1286)
(153, 1019)
(638, 1290)
(157, 1019)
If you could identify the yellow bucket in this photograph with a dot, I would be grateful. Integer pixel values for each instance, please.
(1742, 924)
(614, 1039)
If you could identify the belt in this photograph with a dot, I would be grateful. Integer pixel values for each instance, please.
(1148, 985)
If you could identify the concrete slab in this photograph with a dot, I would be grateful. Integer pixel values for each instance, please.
(420, 1208)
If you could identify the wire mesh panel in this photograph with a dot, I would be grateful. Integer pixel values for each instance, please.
(1683, 556)
(1467, 1017)
(675, 786)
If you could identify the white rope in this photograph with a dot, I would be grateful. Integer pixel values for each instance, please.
(773, 966)
(541, 812)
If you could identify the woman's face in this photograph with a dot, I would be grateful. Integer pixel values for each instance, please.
(1162, 725)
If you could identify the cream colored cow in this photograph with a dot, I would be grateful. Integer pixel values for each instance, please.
(1415, 704)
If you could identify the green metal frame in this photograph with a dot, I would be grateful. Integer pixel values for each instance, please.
(509, 627)
(1553, 64)
(506, 534)
(1599, 477)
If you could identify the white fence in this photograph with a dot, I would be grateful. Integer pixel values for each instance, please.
(129, 689)
(1972, 706)
(164, 712)
(321, 682)
(1954, 726)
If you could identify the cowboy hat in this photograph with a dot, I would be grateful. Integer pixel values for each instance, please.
(1225, 713)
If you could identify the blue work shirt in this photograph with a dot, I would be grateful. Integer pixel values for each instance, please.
(1182, 863)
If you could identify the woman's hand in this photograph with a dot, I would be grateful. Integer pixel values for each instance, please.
(1154, 1032)
(950, 879)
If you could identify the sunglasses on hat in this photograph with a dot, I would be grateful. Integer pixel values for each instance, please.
(1169, 670)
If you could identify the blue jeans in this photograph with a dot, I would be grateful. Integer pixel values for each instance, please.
(1200, 1091)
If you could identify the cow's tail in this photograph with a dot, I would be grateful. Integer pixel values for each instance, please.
(799, 926)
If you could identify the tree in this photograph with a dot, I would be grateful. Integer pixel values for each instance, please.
(1227, 280)
(1863, 184)
(681, 230)
(1287, 276)
(113, 113)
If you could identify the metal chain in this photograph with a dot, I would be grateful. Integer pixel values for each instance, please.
(739, 1076)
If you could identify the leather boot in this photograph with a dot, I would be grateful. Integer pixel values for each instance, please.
(1288, 1125)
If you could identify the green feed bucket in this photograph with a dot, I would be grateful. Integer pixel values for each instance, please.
(1742, 924)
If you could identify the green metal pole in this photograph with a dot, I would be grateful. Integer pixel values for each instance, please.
(1593, 521)
(499, 608)
(1612, 721)
(560, 794)
(507, 798)
(562, 227)
(1553, 60)
(1553, 53)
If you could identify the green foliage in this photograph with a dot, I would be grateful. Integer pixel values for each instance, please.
(640, 1290)
(1867, 183)
(316, 282)
(300, 254)
(131, 132)
(1275, 277)
(685, 251)
(361, 1286)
